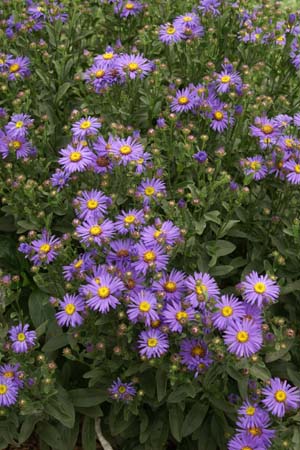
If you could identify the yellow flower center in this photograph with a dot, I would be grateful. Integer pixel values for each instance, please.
(129, 219)
(78, 264)
(218, 115)
(21, 337)
(75, 156)
(140, 161)
(125, 150)
(70, 309)
(280, 396)
(297, 168)
(14, 68)
(8, 374)
(183, 100)
(170, 286)
(280, 38)
(133, 66)
(260, 287)
(267, 129)
(250, 411)
(247, 448)
(149, 256)
(19, 124)
(255, 431)
(242, 336)
(144, 306)
(198, 350)
(103, 292)
(108, 55)
(3, 389)
(95, 230)
(129, 6)
(201, 289)
(100, 73)
(181, 315)
(200, 91)
(92, 204)
(157, 233)
(149, 191)
(122, 389)
(45, 248)
(289, 143)
(255, 165)
(86, 124)
(171, 30)
(225, 79)
(187, 19)
(152, 342)
(16, 145)
(123, 252)
(97, 280)
(227, 311)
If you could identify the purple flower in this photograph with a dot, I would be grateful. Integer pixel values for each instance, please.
(75, 159)
(16, 146)
(18, 68)
(128, 222)
(17, 127)
(104, 295)
(210, 7)
(152, 343)
(169, 33)
(190, 23)
(195, 355)
(128, 8)
(201, 157)
(59, 179)
(175, 315)
(250, 415)
(150, 257)
(201, 287)
(229, 310)
(45, 248)
(164, 233)
(122, 391)
(93, 232)
(8, 392)
(126, 150)
(70, 306)
(12, 372)
(297, 120)
(267, 130)
(92, 204)
(242, 442)
(226, 80)
(243, 338)
(142, 307)
(170, 286)
(259, 289)
(120, 253)
(255, 166)
(134, 66)
(184, 101)
(220, 118)
(151, 189)
(100, 75)
(280, 397)
(81, 264)
(85, 127)
(22, 339)
(293, 171)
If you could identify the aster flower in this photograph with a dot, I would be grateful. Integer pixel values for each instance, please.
(184, 101)
(163, 233)
(127, 8)
(255, 166)
(195, 355)
(175, 316)
(229, 310)
(133, 281)
(280, 397)
(12, 372)
(151, 189)
(210, 7)
(201, 287)
(78, 267)
(297, 120)
(242, 442)
(220, 119)
(152, 343)
(18, 68)
(75, 159)
(93, 232)
(8, 392)
(265, 129)
(250, 415)
(70, 307)
(228, 79)
(107, 58)
(45, 248)
(171, 286)
(92, 204)
(190, 23)
(126, 150)
(243, 338)
(85, 127)
(134, 66)
(99, 75)
(143, 163)
(130, 221)
(22, 339)
(283, 120)
(201, 157)
(105, 294)
(169, 33)
(122, 391)
(259, 289)
(150, 257)
(59, 179)
(16, 146)
(120, 253)
(292, 168)
(253, 313)
(17, 127)
(142, 307)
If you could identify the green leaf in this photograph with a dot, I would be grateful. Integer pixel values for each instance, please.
(273, 356)
(87, 397)
(260, 372)
(61, 408)
(176, 421)
(290, 287)
(88, 435)
(55, 343)
(27, 427)
(50, 435)
(39, 308)
(194, 418)
(218, 271)
(181, 393)
(62, 91)
(213, 216)
(227, 227)
(161, 383)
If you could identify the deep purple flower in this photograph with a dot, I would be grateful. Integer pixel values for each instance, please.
(152, 343)
(70, 306)
(151, 257)
(22, 339)
(92, 204)
(229, 310)
(175, 315)
(129, 221)
(104, 295)
(134, 66)
(201, 157)
(126, 150)
(259, 289)
(195, 355)
(8, 392)
(170, 286)
(12, 372)
(93, 232)
(280, 397)
(168, 33)
(184, 101)
(75, 159)
(220, 119)
(85, 127)
(243, 338)
(15, 146)
(142, 307)
(18, 68)
(122, 391)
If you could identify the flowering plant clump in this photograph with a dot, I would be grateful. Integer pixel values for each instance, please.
(149, 224)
